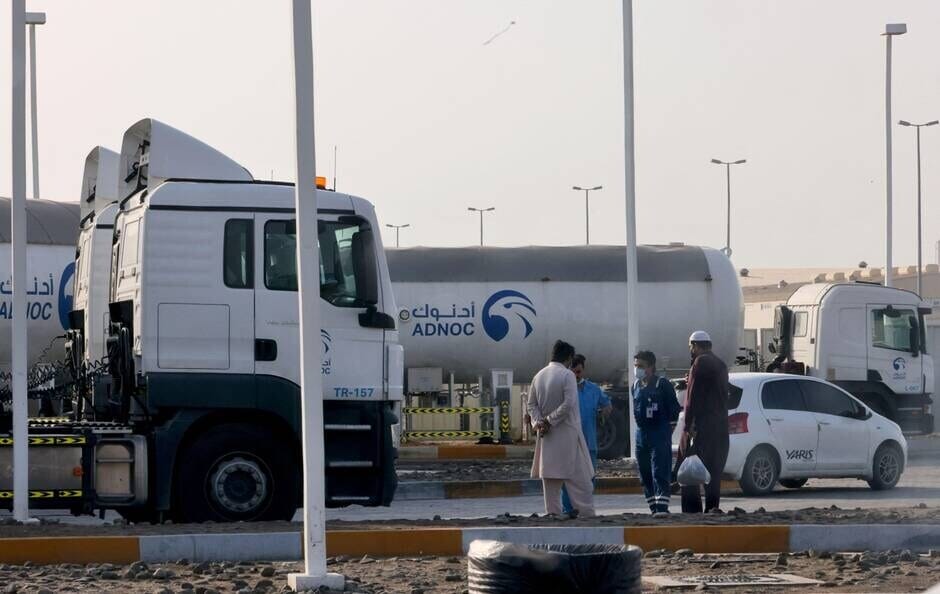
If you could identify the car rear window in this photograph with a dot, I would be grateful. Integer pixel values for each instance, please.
(734, 396)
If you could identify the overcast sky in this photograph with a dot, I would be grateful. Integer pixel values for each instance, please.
(429, 120)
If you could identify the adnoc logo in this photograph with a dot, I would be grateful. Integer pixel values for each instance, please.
(495, 322)
(65, 295)
(326, 362)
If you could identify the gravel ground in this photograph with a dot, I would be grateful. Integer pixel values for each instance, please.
(490, 470)
(921, 514)
(891, 572)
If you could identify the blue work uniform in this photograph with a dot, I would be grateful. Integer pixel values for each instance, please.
(590, 400)
(655, 407)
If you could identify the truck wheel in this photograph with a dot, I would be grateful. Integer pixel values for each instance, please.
(887, 466)
(793, 483)
(612, 435)
(236, 473)
(760, 472)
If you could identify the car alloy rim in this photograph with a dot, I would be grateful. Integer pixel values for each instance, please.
(763, 473)
(888, 468)
(239, 485)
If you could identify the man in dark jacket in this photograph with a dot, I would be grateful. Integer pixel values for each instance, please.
(705, 432)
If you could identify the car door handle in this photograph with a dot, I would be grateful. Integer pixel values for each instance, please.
(823, 423)
(775, 419)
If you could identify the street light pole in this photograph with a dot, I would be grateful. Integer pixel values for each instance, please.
(587, 211)
(920, 265)
(314, 574)
(481, 211)
(397, 228)
(33, 19)
(890, 31)
(18, 263)
(728, 165)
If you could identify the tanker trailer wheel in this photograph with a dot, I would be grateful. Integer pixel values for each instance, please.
(612, 435)
(237, 473)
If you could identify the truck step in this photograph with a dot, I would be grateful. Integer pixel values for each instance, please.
(346, 427)
(350, 464)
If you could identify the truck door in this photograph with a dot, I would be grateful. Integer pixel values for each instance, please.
(893, 332)
(352, 356)
(792, 425)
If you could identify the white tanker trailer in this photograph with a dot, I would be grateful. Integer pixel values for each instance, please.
(51, 233)
(467, 311)
(470, 310)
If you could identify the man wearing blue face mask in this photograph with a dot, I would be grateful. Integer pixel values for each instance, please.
(655, 408)
(591, 400)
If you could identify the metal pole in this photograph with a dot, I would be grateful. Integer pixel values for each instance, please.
(308, 295)
(481, 228)
(728, 235)
(920, 264)
(630, 191)
(587, 219)
(397, 230)
(33, 115)
(889, 273)
(18, 262)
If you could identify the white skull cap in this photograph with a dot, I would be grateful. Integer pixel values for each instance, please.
(700, 336)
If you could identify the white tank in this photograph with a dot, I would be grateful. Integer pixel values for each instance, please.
(469, 310)
(51, 234)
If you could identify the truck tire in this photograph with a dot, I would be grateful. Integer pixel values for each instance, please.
(760, 471)
(612, 435)
(237, 473)
(887, 466)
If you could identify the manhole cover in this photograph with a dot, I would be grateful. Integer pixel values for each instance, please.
(744, 579)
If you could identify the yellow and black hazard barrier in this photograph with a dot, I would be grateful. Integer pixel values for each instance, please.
(485, 436)
(49, 440)
(448, 434)
(46, 494)
(463, 410)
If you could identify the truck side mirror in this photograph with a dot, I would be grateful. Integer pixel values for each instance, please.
(367, 276)
(915, 339)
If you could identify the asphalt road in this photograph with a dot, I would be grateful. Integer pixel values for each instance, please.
(919, 484)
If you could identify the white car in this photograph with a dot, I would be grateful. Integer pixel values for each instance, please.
(790, 428)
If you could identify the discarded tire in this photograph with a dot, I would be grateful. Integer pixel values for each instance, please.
(503, 568)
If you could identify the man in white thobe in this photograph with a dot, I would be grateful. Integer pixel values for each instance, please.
(561, 454)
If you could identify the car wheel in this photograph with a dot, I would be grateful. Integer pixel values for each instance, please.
(612, 435)
(887, 466)
(760, 471)
(793, 483)
(236, 473)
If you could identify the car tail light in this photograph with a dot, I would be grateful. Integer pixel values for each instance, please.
(737, 423)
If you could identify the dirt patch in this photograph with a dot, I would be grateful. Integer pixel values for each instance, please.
(830, 515)
(490, 470)
(893, 572)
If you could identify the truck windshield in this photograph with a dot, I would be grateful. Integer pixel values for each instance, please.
(891, 328)
(340, 246)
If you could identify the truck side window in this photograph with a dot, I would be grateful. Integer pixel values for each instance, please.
(238, 254)
(800, 322)
(341, 260)
(827, 400)
(782, 395)
(891, 329)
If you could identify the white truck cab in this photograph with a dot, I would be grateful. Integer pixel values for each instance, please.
(86, 344)
(866, 338)
(204, 329)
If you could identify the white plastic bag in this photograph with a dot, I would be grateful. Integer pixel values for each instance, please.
(692, 472)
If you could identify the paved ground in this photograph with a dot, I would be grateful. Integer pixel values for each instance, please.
(920, 484)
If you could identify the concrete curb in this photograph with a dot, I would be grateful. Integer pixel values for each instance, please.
(427, 490)
(455, 541)
(468, 452)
